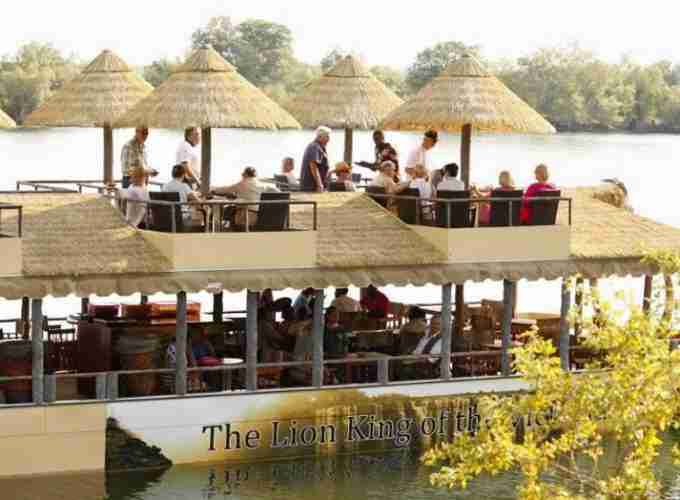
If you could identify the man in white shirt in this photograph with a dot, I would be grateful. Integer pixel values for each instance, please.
(189, 154)
(420, 156)
(178, 185)
(450, 181)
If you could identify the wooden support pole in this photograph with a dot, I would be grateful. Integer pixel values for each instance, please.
(564, 343)
(252, 300)
(25, 317)
(206, 158)
(317, 339)
(144, 299)
(460, 311)
(465, 143)
(108, 155)
(445, 368)
(647, 294)
(181, 345)
(218, 307)
(509, 296)
(84, 305)
(349, 146)
(38, 370)
(578, 301)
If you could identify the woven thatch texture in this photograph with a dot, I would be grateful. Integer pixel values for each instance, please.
(354, 232)
(600, 230)
(347, 96)
(6, 121)
(465, 93)
(67, 234)
(207, 91)
(101, 94)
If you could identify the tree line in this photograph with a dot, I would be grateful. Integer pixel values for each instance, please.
(570, 86)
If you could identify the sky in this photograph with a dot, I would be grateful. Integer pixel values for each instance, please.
(381, 31)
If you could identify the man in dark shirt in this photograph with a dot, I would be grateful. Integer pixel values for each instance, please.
(379, 142)
(314, 173)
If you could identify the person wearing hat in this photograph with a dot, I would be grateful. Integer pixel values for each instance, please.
(343, 174)
(136, 194)
(135, 153)
(420, 155)
(314, 173)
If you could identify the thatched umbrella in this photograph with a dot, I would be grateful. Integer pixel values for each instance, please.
(466, 97)
(100, 95)
(6, 121)
(463, 97)
(207, 91)
(347, 97)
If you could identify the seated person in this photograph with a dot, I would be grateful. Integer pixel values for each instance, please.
(269, 338)
(194, 383)
(248, 189)
(430, 343)
(288, 169)
(375, 303)
(450, 181)
(303, 303)
(138, 192)
(334, 339)
(386, 181)
(179, 184)
(421, 182)
(505, 183)
(414, 329)
(343, 174)
(542, 184)
(344, 303)
(204, 354)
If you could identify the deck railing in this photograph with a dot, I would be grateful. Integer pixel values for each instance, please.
(73, 186)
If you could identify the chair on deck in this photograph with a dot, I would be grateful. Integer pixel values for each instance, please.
(375, 190)
(161, 215)
(337, 187)
(273, 216)
(544, 207)
(282, 182)
(452, 215)
(409, 209)
(505, 213)
(356, 178)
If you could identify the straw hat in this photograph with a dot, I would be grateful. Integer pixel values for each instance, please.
(101, 94)
(466, 93)
(207, 91)
(6, 121)
(347, 96)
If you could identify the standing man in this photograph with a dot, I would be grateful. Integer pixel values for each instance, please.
(420, 156)
(189, 154)
(380, 144)
(314, 173)
(134, 154)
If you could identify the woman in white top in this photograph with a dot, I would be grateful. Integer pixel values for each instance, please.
(421, 182)
(135, 212)
(385, 179)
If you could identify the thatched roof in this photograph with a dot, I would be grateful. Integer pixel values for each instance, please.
(207, 91)
(72, 234)
(6, 121)
(101, 94)
(466, 93)
(347, 96)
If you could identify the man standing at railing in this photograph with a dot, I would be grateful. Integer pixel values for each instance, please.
(135, 153)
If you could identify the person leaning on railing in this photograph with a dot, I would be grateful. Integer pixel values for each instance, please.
(385, 180)
(505, 183)
(542, 184)
(248, 189)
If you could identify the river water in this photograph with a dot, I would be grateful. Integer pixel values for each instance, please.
(646, 163)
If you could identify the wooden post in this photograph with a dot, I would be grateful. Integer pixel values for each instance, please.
(349, 146)
(460, 311)
(647, 293)
(84, 305)
(25, 317)
(218, 307)
(144, 299)
(509, 296)
(37, 348)
(317, 339)
(108, 155)
(578, 301)
(445, 367)
(206, 156)
(564, 325)
(252, 300)
(466, 141)
(181, 345)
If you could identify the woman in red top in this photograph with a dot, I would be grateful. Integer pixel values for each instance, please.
(375, 303)
(542, 175)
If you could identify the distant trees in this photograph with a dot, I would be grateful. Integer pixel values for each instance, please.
(432, 61)
(159, 71)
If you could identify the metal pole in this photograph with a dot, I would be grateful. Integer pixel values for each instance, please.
(564, 324)
(317, 339)
(349, 145)
(181, 345)
(37, 348)
(647, 294)
(84, 305)
(108, 155)
(218, 307)
(25, 317)
(460, 311)
(206, 156)
(445, 367)
(509, 293)
(251, 341)
(578, 301)
(466, 141)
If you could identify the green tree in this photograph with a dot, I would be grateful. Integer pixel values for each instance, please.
(432, 61)
(260, 50)
(332, 58)
(392, 78)
(159, 71)
(621, 407)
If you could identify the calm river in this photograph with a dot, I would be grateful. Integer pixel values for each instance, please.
(648, 164)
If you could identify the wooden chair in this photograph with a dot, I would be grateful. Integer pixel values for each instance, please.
(161, 215)
(505, 213)
(544, 208)
(281, 182)
(454, 215)
(273, 216)
(409, 210)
